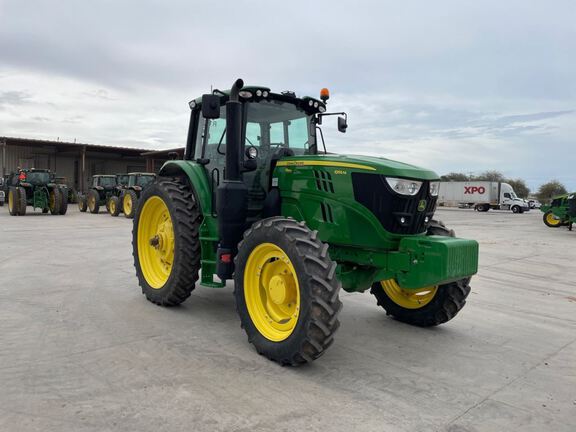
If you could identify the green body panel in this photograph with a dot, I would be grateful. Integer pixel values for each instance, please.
(364, 250)
(198, 178)
(559, 208)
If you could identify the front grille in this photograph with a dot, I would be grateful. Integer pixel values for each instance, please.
(373, 192)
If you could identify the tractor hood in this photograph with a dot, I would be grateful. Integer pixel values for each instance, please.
(377, 165)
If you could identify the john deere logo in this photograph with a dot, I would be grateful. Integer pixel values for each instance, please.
(422, 205)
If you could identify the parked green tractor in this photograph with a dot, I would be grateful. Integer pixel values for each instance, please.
(560, 212)
(34, 187)
(255, 200)
(127, 201)
(102, 189)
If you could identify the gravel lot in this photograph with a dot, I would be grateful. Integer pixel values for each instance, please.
(82, 350)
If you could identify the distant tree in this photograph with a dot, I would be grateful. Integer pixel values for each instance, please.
(495, 176)
(519, 187)
(550, 189)
(454, 176)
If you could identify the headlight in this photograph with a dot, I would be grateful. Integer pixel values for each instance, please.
(404, 186)
(434, 188)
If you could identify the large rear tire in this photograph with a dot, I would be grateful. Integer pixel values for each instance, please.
(64, 203)
(129, 203)
(286, 291)
(55, 201)
(93, 200)
(428, 306)
(13, 201)
(22, 203)
(551, 220)
(166, 243)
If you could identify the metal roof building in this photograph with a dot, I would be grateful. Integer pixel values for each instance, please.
(78, 162)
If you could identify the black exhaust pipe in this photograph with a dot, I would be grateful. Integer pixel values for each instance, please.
(232, 192)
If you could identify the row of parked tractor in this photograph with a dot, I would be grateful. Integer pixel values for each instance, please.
(43, 190)
(118, 193)
(561, 211)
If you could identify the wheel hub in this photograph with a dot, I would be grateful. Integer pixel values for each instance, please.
(277, 289)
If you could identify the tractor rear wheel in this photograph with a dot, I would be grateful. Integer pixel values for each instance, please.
(55, 201)
(129, 203)
(286, 291)
(82, 203)
(13, 201)
(114, 206)
(551, 220)
(93, 199)
(166, 243)
(64, 203)
(21, 193)
(427, 306)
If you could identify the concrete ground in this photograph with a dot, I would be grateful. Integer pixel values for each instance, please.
(82, 350)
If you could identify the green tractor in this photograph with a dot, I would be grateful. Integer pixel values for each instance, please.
(128, 199)
(34, 187)
(102, 189)
(69, 191)
(560, 212)
(255, 201)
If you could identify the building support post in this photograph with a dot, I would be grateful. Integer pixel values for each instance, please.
(83, 175)
(3, 144)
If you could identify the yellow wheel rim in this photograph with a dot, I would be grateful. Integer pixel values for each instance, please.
(409, 299)
(552, 219)
(11, 201)
(155, 242)
(272, 292)
(112, 207)
(127, 204)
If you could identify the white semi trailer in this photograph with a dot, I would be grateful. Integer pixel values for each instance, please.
(481, 195)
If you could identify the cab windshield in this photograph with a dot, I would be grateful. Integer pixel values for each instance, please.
(141, 180)
(107, 182)
(273, 124)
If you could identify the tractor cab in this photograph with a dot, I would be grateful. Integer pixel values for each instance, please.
(272, 126)
(104, 182)
(122, 180)
(139, 180)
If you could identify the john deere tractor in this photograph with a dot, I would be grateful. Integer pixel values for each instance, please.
(126, 201)
(102, 189)
(254, 200)
(34, 187)
(561, 211)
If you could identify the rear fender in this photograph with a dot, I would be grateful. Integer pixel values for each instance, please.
(196, 175)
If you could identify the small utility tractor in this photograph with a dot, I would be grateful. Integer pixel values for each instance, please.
(34, 187)
(255, 200)
(127, 201)
(102, 189)
(560, 212)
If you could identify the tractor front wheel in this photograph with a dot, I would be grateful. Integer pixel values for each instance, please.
(427, 306)
(166, 243)
(551, 220)
(286, 291)
(82, 203)
(93, 200)
(129, 203)
(114, 206)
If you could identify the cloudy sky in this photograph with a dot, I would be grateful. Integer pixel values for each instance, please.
(452, 85)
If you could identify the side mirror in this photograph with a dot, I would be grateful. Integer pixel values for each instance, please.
(210, 106)
(342, 124)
